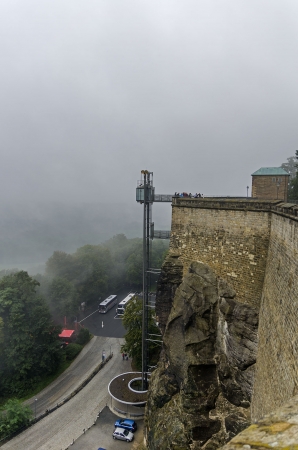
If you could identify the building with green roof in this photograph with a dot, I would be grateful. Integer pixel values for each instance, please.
(270, 183)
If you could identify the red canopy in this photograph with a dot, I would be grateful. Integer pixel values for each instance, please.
(66, 333)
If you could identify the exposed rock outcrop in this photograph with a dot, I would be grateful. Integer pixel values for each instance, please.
(200, 393)
(169, 280)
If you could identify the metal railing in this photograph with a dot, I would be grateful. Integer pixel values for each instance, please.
(169, 197)
(162, 234)
(163, 198)
(140, 183)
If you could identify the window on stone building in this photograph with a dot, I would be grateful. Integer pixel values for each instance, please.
(274, 180)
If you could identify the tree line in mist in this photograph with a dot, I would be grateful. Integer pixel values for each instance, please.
(94, 272)
(31, 308)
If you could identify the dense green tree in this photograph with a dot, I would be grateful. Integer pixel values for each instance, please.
(31, 340)
(159, 250)
(290, 166)
(117, 242)
(14, 415)
(63, 297)
(94, 263)
(1, 339)
(134, 268)
(90, 270)
(1, 332)
(120, 248)
(60, 264)
(72, 350)
(132, 321)
(293, 184)
(83, 336)
(134, 262)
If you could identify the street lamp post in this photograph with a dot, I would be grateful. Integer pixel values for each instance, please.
(35, 401)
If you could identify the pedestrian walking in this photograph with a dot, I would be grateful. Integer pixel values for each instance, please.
(123, 356)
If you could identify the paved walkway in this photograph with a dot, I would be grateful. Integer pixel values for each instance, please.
(58, 430)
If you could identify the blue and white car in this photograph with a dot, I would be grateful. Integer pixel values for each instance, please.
(128, 424)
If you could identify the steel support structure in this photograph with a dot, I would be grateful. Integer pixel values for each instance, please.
(147, 220)
(145, 194)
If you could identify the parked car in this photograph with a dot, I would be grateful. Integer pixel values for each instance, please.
(123, 434)
(128, 424)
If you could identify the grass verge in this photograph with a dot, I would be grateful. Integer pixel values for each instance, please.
(42, 384)
(47, 380)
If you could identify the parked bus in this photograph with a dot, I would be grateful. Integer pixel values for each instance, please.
(122, 305)
(107, 304)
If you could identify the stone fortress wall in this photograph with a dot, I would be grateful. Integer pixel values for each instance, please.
(277, 362)
(254, 246)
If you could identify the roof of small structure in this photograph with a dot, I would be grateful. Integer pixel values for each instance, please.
(66, 333)
(270, 171)
(119, 389)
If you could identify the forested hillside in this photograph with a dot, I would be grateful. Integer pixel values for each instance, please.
(32, 309)
(93, 272)
(29, 339)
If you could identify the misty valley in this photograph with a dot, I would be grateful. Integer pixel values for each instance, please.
(34, 308)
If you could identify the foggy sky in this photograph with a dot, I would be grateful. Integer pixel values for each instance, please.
(202, 93)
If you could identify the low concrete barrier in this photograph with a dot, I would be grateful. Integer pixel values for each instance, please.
(65, 400)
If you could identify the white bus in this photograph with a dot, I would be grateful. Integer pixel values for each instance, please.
(122, 305)
(107, 304)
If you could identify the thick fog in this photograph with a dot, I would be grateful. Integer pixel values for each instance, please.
(202, 93)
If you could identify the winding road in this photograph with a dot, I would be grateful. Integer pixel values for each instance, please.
(69, 380)
(58, 430)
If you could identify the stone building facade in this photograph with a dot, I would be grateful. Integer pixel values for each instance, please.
(270, 183)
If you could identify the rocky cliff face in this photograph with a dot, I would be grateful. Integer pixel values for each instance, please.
(200, 393)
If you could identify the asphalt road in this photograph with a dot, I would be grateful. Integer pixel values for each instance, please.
(108, 324)
(79, 370)
(103, 327)
(100, 435)
(58, 430)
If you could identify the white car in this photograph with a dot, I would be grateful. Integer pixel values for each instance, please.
(124, 435)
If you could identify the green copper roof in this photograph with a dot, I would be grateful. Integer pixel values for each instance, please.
(270, 171)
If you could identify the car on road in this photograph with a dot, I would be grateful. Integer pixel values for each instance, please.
(123, 434)
(128, 424)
